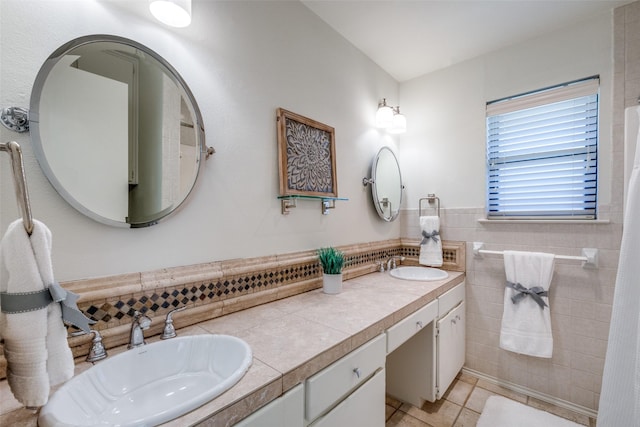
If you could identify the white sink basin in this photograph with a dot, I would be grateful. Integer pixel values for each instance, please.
(418, 273)
(151, 384)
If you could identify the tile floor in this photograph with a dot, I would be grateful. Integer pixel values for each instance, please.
(462, 404)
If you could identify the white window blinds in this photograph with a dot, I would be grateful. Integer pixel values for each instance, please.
(542, 154)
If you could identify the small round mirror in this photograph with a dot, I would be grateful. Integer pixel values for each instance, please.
(116, 130)
(386, 184)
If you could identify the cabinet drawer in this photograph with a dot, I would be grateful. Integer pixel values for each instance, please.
(365, 407)
(337, 380)
(286, 410)
(450, 299)
(409, 326)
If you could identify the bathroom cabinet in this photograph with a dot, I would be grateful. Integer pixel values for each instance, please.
(425, 364)
(414, 360)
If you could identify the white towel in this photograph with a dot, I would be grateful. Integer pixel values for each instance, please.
(430, 247)
(35, 342)
(526, 327)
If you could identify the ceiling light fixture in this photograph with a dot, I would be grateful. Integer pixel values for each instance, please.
(390, 118)
(175, 13)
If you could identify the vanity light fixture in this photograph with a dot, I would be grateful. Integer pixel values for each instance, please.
(175, 13)
(390, 118)
(399, 124)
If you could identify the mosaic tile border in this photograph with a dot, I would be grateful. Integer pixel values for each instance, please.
(163, 300)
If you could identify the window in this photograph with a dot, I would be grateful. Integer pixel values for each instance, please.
(542, 153)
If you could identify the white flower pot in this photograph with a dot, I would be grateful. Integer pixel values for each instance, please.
(331, 283)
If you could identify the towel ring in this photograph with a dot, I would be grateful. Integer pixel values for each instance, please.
(430, 199)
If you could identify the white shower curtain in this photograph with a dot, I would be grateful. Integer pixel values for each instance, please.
(620, 394)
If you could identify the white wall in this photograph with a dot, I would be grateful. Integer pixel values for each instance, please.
(443, 151)
(242, 60)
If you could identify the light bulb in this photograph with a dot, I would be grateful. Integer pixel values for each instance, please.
(384, 116)
(175, 13)
(399, 124)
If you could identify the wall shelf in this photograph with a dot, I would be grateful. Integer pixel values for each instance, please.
(288, 202)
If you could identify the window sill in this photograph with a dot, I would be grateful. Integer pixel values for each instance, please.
(543, 221)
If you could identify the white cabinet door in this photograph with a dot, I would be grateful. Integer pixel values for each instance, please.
(363, 407)
(451, 347)
(285, 411)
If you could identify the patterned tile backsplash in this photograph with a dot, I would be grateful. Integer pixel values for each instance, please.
(118, 308)
(218, 288)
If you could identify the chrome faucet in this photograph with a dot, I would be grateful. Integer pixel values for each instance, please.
(140, 323)
(391, 262)
(169, 329)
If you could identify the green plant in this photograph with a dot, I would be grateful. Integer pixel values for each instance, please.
(331, 260)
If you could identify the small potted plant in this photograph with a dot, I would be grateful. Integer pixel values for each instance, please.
(331, 261)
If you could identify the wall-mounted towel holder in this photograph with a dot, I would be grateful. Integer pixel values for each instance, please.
(589, 256)
(431, 198)
(20, 182)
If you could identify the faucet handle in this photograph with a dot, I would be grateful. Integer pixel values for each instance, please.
(142, 320)
(97, 351)
(169, 329)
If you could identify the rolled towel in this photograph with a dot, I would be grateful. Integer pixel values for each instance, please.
(526, 318)
(35, 343)
(431, 244)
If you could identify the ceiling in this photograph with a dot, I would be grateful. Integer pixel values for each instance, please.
(410, 38)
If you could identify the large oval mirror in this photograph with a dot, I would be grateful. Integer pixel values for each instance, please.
(116, 130)
(386, 184)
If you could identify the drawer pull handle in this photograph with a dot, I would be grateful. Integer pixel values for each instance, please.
(357, 372)
(419, 324)
(453, 321)
(458, 317)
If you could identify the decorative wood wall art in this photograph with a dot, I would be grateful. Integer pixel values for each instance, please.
(306, 155)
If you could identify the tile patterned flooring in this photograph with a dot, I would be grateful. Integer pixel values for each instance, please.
(462, 404)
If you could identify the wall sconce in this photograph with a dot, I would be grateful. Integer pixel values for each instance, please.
(390, 118)
(175, 13)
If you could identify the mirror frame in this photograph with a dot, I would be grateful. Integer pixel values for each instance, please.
(34, 117)
(374, 188)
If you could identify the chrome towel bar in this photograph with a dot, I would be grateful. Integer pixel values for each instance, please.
(589, 256)
(20, 182)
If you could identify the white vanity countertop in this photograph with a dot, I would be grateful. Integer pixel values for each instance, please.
(294, 338)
